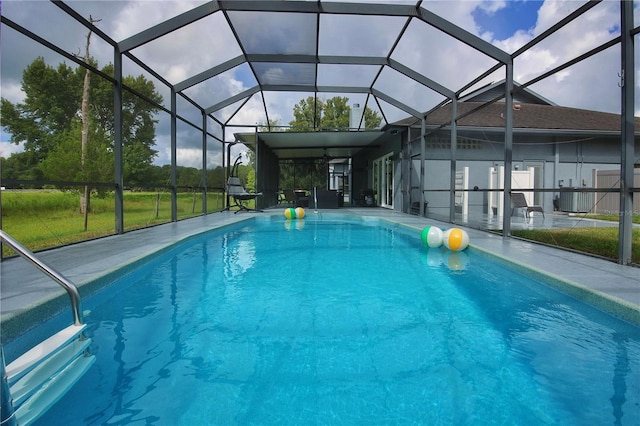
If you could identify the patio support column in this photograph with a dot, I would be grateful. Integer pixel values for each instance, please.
(118, 178)
(256, 162)
(454, 147)
(406, 202)
(556, 166)
(508, 148)
(226, 165)
(628, 129)
(174, 160)
(423, 149)
(204, 163)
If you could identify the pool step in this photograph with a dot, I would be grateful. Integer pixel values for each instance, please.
(30, 382)
(42, 351)
(44, 374)
(53, 390)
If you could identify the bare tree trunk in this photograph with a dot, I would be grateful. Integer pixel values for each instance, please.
(85, 196)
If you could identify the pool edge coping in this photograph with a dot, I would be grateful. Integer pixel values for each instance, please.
(607, 303)
(22, 320)
(34, 314)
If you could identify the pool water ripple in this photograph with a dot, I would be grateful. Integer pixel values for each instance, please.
(331, 321)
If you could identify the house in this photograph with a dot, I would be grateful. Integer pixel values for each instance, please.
(554, 147)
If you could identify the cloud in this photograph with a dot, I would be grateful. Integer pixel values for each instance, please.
(8, 148)
(492, 6)
(440, 58)
(590, 84)
(263, 32)
(192, 157)
(136, 16)
(209, 42)
(12, 91)
(190, 49)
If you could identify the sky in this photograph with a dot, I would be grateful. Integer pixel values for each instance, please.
(504, 19)
(507, 24)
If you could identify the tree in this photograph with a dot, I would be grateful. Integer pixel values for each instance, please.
(215, 178)
(48, 119)
(307, 113)
(98, 161)
(52, 99)
(312, 114)
(188, 177)
(21, 166)
(372, 119)
(336, 114)
(272, 125)
(85, 196)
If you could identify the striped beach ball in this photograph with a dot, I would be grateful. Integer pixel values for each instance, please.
(432, 236)
(455, 239)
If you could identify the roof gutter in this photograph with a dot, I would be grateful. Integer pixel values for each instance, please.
(524, 130)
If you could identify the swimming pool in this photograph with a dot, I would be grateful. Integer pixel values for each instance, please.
(345, 320)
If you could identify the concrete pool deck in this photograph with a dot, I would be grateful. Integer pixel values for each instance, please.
(28, 297)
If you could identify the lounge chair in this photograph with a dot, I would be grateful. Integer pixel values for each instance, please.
(518, 201)
(239, 194)
(289, 196)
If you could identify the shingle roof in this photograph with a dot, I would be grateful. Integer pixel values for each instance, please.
(525, 116)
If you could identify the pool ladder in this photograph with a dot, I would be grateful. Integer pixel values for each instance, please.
(36, 380)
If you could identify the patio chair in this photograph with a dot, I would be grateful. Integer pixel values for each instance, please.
(240, 195)
(289, 196)
(518, 201)
(301, 198)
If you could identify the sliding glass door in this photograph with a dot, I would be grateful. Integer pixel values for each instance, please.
(383, 180)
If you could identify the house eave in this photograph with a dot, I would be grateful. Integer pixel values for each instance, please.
(522, 131)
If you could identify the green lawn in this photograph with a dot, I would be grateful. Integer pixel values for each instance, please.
(614, 218)
(599, 241)
(45, 219)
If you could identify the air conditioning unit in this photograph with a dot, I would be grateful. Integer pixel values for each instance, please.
(576, 202)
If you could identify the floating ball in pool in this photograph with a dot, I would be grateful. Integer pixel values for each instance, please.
(432, 236)
(456, 260)
(299, 212)
(290, 213)
(433, 257)
(455, 239)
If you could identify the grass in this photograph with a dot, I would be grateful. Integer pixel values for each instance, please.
(614, 218)
(45, 219)
(598, 241)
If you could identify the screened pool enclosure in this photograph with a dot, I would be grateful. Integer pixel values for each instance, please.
(136, 111)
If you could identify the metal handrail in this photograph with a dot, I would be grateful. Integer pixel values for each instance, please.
(70, 287)
(315, 198)
(7, 412)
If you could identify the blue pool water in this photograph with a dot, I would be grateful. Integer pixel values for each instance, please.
(334, 320)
